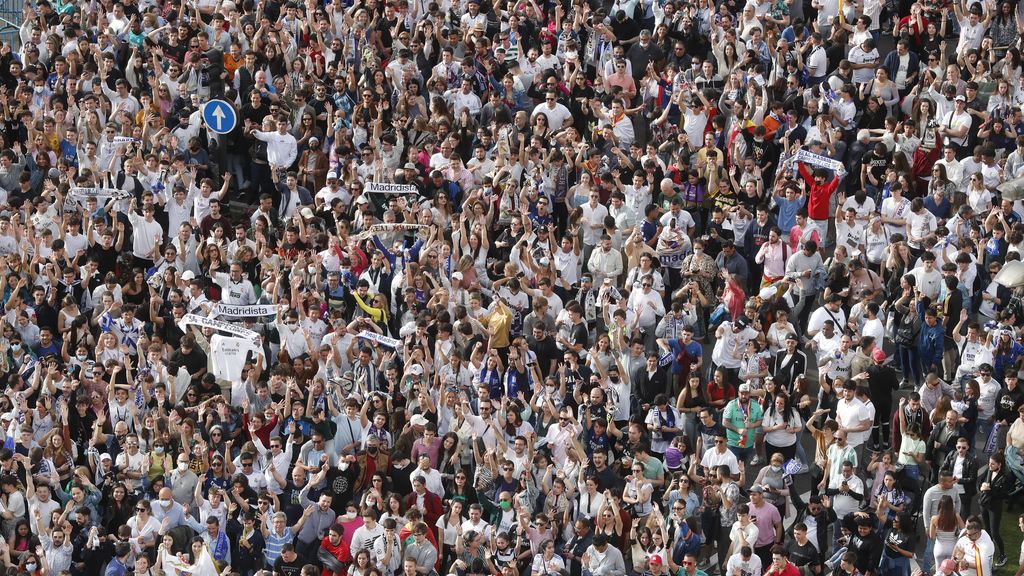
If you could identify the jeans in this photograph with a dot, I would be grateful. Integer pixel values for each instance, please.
(910, 365)
(929, 556)
(899, 566)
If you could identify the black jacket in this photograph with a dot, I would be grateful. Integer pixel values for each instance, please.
(970, 470)
(938, 454)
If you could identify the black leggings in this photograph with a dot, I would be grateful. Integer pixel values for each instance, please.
(991, 516)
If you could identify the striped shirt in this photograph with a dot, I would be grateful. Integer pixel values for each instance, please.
(272, 551)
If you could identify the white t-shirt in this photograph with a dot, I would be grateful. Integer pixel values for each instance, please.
(850, 414)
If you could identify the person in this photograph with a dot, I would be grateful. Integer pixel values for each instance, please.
(974, 550)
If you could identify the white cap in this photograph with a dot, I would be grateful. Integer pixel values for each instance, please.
(306, 212)
(105, 456)
(415, 370)
(188, 275)
(457, 276)
(418, 420)
(332, 175)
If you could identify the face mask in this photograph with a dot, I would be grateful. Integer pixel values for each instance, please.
(371, 449)
(16, 347)
(775, 468)
(311, 269)
(166, 503)
(614, 379)
(159, 449)
(182, 467)
(31, 567)
(37, 89)
(506, 505)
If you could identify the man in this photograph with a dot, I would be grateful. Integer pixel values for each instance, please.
(743, 563)
(974, 550)
(854, 418)
(944, 437)
(428, 502)
(955, 125)
(930, 506)
(769, 524)
(719, 453)
(963, 465)
(119, 565)
(730, 344)
(289, 563)
(741, 419)
(781, 566)
(421, 550)
(801, 551)
(867, 545)
(882, 380)
(603, 559)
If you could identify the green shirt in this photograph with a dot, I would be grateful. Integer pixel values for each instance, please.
(738, 418)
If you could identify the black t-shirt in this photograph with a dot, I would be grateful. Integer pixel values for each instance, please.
(546, 351)
(106, 259)
(284, 568)
(899, 539)
(802, 555)
(876, 165)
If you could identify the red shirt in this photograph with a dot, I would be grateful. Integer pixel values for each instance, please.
(819, 196)
(789, 570)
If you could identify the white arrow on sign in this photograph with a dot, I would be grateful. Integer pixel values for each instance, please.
(219, 115)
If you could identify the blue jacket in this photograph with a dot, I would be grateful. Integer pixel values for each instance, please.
(929, 344)
(892, 63)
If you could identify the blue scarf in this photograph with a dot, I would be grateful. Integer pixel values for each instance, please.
(220, 547)
(669, 421)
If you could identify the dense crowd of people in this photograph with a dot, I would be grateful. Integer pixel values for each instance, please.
(511, 288)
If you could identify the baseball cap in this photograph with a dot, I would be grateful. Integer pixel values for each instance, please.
(960, 99)
(744, 388)
(656, 559)
(878, 355)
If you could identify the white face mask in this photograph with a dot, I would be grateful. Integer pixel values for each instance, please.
(182, 467)
(776, 468)
(165, 503)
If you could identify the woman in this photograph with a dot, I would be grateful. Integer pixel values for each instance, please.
(993, 487)
(881, 88)
(547, 563)
(55, 450)
(393, 508)
(145, 529)
(912, 447)
(777, 332)
(978, 196)
(118, 509)
(639, 550)
(449, 458)
(68, 313)
(898, 549)
(944, 527)
(637, 494)
(930, 149)
(313, 165)
(776, 483)
(781, 424)
(361, 564)
(892, 500)
(21, 543)
(692, 399)
(449, 530)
